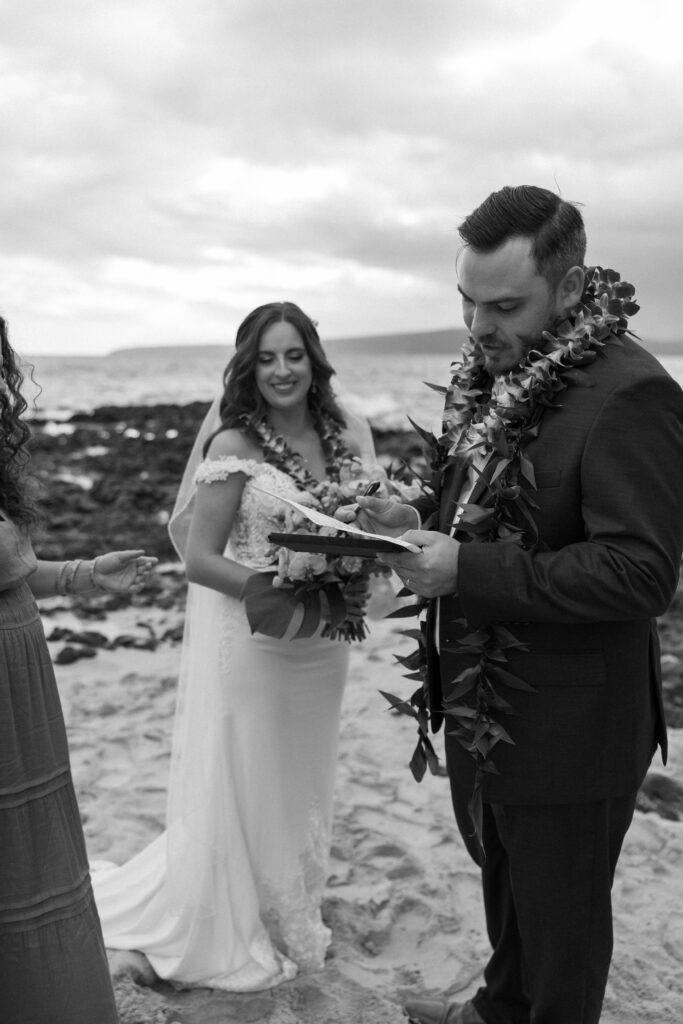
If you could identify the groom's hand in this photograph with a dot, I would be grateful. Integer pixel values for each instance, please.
(379, 515)
(434, 571)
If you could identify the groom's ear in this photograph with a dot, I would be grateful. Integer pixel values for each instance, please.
(570, 289)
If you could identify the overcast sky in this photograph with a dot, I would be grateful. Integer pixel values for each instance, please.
(167, 165)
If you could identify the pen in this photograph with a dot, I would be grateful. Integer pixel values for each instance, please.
(370, 489)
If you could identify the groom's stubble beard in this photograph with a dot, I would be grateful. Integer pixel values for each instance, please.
(504, 357)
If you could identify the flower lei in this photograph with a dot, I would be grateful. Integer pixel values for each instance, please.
(496, 418)
(342, 582)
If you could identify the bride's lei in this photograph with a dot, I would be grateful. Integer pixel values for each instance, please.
(489, 421)
(277, 452)
(343, 581)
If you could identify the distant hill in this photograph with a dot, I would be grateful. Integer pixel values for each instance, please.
(447, 341)
(198, 351)
(432, 342)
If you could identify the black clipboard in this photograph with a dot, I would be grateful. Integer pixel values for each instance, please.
(345, 544)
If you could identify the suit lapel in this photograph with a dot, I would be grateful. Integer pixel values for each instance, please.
(457, 478)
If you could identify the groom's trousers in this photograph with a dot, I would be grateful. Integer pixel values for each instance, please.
(547, 878)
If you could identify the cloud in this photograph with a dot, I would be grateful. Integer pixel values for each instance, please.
(166, 163)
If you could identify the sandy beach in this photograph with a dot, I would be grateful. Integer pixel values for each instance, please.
(403, 896)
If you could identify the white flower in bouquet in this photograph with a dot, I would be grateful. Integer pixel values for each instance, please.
(350, 564)
(300, 565)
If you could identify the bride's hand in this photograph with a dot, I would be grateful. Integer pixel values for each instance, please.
(380, 515)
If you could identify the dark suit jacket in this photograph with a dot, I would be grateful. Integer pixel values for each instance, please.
(609, 470)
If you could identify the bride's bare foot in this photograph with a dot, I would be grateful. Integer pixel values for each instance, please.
(129, 963)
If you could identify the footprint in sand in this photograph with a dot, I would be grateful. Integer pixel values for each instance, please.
(405, 867)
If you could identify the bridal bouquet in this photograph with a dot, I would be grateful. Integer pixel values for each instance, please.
(310, 587)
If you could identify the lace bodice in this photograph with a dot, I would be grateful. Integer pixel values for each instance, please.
(258, 513)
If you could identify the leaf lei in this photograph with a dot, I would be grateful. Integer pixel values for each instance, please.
(277, 452)
(491, 420)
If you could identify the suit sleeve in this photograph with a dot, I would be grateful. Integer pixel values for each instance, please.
(627, 566)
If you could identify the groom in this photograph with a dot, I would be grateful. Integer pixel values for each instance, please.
(599, 556)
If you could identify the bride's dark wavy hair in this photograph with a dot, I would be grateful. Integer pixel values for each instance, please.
(15, 494)
(243, 405)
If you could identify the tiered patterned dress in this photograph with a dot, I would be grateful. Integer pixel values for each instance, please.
(53, 966)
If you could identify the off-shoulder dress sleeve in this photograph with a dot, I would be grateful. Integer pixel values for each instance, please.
(211, 471)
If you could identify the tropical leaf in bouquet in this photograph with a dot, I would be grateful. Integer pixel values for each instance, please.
(310, 600)
(269, 610)
(337, 604)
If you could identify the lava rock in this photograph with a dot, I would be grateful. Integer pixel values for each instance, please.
(661, 795)
(69, 654)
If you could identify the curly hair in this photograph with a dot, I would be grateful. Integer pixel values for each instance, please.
(14, 436)
(243, 405)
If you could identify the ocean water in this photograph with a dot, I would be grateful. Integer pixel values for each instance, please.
(385, 389)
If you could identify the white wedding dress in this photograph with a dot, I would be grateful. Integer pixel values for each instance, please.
(229, 895)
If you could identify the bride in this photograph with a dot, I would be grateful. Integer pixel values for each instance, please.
(229, 895)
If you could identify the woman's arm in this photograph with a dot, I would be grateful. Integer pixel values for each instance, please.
(115, 571)
(215, 508)
(50, 578)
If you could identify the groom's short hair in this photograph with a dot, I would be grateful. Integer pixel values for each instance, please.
(554, 225)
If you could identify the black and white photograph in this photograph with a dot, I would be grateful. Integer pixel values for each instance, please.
(341, 512)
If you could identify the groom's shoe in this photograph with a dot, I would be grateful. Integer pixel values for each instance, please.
(439, 1011)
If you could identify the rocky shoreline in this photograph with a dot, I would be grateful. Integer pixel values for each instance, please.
(108, 479)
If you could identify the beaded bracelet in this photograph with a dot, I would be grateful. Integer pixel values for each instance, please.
(59, 586)
(71, 575)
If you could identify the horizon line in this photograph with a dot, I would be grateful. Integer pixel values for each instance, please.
(651, 346)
